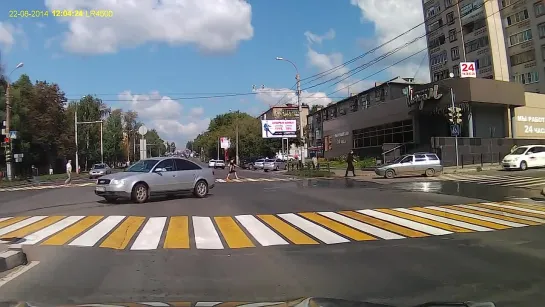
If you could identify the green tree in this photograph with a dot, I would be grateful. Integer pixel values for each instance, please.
(113, 137)
(90, 109)
(156, 145)
(130, 124)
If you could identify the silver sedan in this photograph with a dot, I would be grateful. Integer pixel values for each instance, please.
(156, 177)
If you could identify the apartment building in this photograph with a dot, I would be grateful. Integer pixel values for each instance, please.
(505, 39)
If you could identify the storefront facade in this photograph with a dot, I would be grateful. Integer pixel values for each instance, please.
(414, 115)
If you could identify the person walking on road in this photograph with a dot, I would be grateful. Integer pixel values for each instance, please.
(232, 170)
(68, 172)
(350, 164)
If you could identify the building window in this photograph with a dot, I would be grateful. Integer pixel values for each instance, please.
(539, 8)
(439, 59)
(436, 42)
(483, 62)
(398, 132)
(516, 18)
(455, 53)
(520, 37)
(473, 26)
(456, 70)
(541, 30)
(444, 74)
(527, 78)
(432, 11)
(505, 3)
(523, 57)
(476, 44)
(543, 52)
(450, 18)
(448, 3)
(435, 25)
(452, 35)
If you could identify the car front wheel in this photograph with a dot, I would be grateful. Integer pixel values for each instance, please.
(201, 189)
(140, 193)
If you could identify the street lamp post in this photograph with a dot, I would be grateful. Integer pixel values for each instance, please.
(76, 123)
(298, 79)
(236, 138)
(8, 120)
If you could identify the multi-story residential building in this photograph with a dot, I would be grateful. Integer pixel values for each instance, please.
(505, 39)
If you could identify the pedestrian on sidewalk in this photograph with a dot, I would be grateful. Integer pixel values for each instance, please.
(232, 170)
(68, 172)
(350, 164)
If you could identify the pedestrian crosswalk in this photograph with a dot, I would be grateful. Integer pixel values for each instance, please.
(301, 302)
(269, 179)
(502, 180)
(137, 233)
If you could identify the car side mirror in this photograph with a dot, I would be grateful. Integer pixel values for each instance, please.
(160, 170)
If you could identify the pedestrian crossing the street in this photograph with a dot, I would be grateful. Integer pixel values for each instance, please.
(137, 233)
(503, 180)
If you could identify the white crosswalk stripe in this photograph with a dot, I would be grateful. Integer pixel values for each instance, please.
(500, 180)
(133, 233)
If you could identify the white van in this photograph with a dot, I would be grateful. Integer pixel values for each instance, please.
(524, 157)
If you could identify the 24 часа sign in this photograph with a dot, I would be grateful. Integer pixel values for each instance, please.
(421, 97)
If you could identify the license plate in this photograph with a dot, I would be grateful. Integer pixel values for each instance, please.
(100, 189)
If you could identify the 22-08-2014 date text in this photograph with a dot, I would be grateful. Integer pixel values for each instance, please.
(60, 13)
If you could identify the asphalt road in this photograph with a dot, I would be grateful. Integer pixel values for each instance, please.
(405, 258)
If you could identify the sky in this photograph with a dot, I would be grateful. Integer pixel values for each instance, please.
(174, 61)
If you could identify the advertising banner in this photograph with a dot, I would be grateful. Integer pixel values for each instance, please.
(225, 143)
(278, 129)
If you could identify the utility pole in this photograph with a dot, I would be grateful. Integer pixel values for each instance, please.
(8, 119)
(301, 134)
(236, 140)
(76, 134)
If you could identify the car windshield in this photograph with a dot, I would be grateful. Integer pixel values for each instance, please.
(519, 151)
(220, 161)
(259, 160)
(142, 166)
(398, 159)
(99, 166)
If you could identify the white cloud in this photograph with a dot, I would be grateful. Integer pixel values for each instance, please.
(8, 34)
(272, 97)
(166, 115)
(318, 39)
(211, 25)
(391, 18)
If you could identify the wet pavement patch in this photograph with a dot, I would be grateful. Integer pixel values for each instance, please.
(337, 183)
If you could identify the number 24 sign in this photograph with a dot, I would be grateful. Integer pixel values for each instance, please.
(468, 70)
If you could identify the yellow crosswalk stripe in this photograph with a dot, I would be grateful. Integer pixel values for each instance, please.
(288, 231)
(180, 304)
(21, 233)
(462, 218)
(425, 221)
(177, 232)
(527, 206)
(233, 234)
(12, 221)
(384, 225)
(122, 235)
(494, 215)
(71, 232)
(337, 227)
(503, 209)
(231, 304)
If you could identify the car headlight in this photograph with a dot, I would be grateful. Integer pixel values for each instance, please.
(117, 182)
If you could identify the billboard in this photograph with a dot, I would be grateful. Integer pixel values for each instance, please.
(278, 129)
(225, 143)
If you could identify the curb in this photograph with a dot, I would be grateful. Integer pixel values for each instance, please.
(471, 170)
(12, 257)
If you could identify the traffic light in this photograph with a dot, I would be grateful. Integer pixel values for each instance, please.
(455, 115)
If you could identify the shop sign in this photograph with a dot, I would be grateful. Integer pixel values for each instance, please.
(341, 134)
(420, 97)
(530, 124)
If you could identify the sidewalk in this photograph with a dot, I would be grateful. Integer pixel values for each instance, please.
(45, 179)
(471, 168)
(359, 173)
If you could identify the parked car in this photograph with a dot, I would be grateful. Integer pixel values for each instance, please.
(258, 164)
(98, 170)
(274, 164)
(156, 177)
(421, 163)
(248, 164)
(219, 164)
(524, 157)
(211, 163)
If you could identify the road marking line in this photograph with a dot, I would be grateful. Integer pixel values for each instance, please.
(155, 304)
(288, 231)
(20, 233)
(72, 231)
(220, 180)
(177, 233)
(232, 233)
(122, 235)
(499, 215)
(263, 234)
(459, 217)
(314, 230)
(21, 224)
(375, 231)
(231, 304)
(505, 224)
(492, 206)
(180, 304)
(206, 236)
(50, 230)
(93, 235)
(538, 212)
(4, 219)
(17, 272)
(407, 223)
(150, 235)
(445, 220)
(12, 220)
(261, 304)
(407, 232)
(527, 206)
(251, 179)
(425, 221)
(206, 304)
(337, 227)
